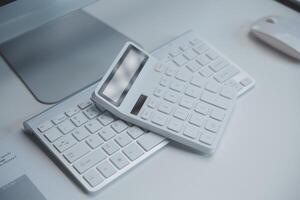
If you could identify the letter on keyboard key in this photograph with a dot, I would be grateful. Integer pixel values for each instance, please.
(135, 132)
(133, 151)
(119, 160)
(106, 169)
(66, 126)
(149, 140)
(226, 73)
(215, 100)
(52, 134)
(89, 161)
(93, 178)
(76, 152)
(64, 143)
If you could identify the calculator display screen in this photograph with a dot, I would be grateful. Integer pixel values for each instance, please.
(123, 75)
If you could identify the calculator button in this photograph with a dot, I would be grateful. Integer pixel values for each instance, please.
(66, 126)
(184, 46)
(175, 125)
(181, 113)
(158, 91)
(159, 119)
(193, 66)
(206, 71)
(80, 133)
(170, 71)
(133, 151)
(192, 91)
(196, 120)
(217, 114)
(180, 60)
(171, 96)
(212, 125)
(79, 119)
(195, 41)
(153, 102)
(52, 134)
(200, 49)
(165, 108)
(106, 169)
(59, 118)
(119, 160)
(146, 114)
(186, 102)
(135, 132)
(212, 54)
(190, 54)
(149, 141)
(93, 178)
(207, 138)
(215, 100)
(202, 108)
(93, 126)
(213, 87)
(226, 73)
(165, 81)
(228, 92)
(191, 131)
(184, 75)
(198, 81)
(203, 60)
(177, 86)
(218, 65)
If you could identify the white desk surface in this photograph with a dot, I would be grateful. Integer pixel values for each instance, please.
(259, 157)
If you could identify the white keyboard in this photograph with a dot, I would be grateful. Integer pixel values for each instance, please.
(95, 147)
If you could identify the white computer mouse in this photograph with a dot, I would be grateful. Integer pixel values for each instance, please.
(279, 32)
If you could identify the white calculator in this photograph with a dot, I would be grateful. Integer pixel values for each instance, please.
(169, 100)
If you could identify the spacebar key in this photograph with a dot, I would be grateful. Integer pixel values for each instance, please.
(89, 161)
(149, 140)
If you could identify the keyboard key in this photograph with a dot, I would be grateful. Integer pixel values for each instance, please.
(72, 111)
(79, 119)
(93, 126)
(153, 102)
(93, 178)
(206, 71)
(218, 65)
(175, 125)
(119, 160)
(64, 143)
(181, 113)
(159, 119)
(198, 81)
(76, 152)
(94, 141)
(191, 131)
(201, 48)
(226, 73)
(81, 133)
(217, 114)
(193, 66)
(212, 125)
(190, 54)
(184, 75)
(192, 91)
(84, 104)
(45, 126)
(149, 141)
(177, 86)
(202, 108)
(105, 118)
(119, 126)
(213, 87)
(171, 96)
(107, 133)
(187, 102)
(197, 120)
(123, 139)
(106, 169)
(52, 134)
(59, 118)
(184, 46)
(195, 41)
(180, 60)
(165, 108)
(216, 100)
(92, 112)
(207, 138)
(110, 147)
(203, 60)
(135, 132)
(89, 161)
(66, 126)
(212, 54)
(133, 151)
